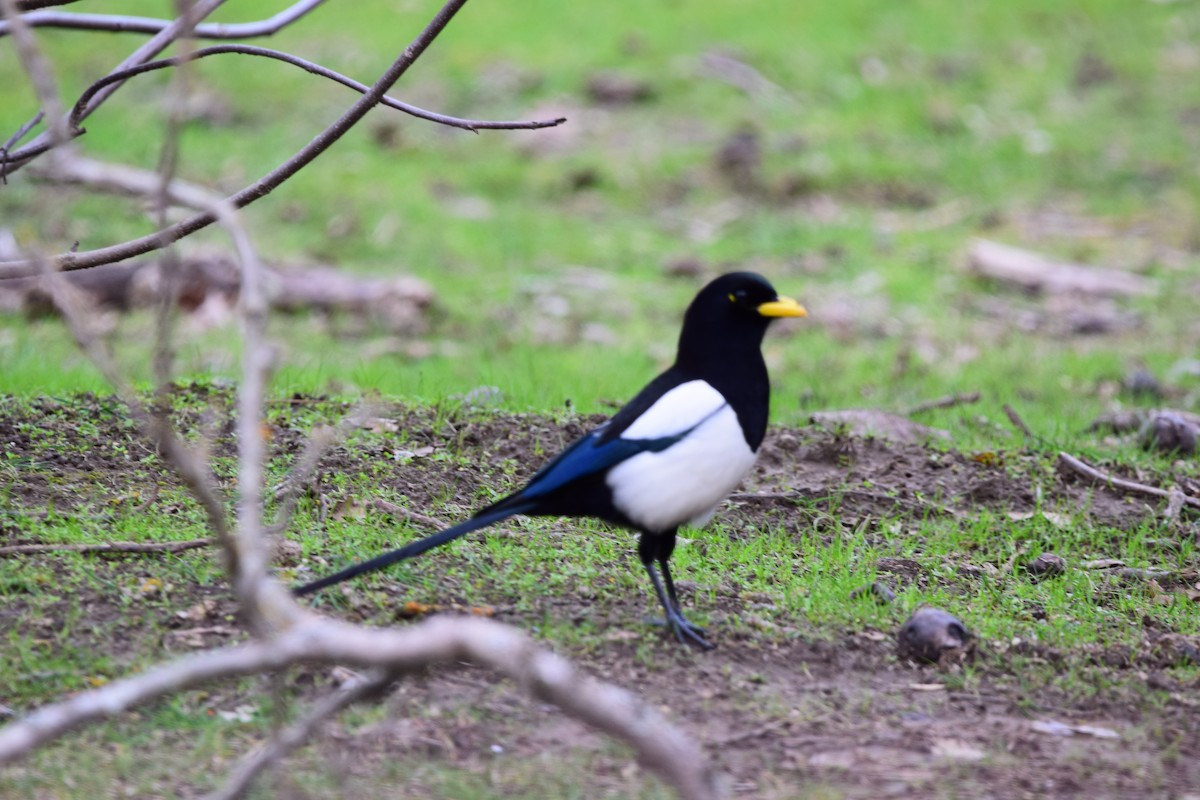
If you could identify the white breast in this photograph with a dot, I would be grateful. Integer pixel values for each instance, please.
(684, 483)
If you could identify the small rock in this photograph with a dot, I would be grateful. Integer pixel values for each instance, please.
(739, 159)
(684, 267)
(1169, 432)
(1047, 565)
(931, 635)
(1140, 382)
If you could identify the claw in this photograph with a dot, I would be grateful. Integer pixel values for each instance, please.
(687, 633)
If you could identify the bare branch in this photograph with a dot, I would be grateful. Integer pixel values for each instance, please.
(12, 141)
(270, 181)
(949, 401)
(316, 69)
(1093, 475)
(252, 451)
(152, 47)
(1018, 422)
(117, 23)
(285, 741)
(107, 547)
(660, 747)
(41, 76)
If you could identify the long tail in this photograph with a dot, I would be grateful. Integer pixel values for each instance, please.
(487, 516)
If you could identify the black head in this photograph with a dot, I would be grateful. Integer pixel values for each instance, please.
(732, 313)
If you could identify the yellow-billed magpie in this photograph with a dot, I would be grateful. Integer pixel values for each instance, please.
(667, 458)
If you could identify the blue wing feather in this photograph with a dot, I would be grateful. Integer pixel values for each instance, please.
(590, 455)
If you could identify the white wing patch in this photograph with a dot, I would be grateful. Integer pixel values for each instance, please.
(684, 483)
(684, 407)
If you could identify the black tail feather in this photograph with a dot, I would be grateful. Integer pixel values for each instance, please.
(487, 516)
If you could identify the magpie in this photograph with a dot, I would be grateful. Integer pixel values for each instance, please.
(666, 459)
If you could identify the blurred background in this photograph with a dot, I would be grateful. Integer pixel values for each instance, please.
(855, 153)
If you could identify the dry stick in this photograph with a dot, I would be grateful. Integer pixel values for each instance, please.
(412, 516)
(284, 742)
(1017, 422)
(661, 747)
(149, 49)
(75, 169)
(109, 547)
(119, 23)
(257, 356)
(949, 401)
(1096, 476)
(270, 181)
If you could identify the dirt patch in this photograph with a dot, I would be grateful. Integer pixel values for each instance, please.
(782, 707)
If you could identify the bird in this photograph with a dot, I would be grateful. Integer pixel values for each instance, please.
(666, 459)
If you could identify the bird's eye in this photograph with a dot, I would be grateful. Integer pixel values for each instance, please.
(738, 297)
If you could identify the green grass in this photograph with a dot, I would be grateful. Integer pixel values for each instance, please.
(892, 134)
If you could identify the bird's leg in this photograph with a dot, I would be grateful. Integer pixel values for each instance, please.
(666, 574)
(684, 631)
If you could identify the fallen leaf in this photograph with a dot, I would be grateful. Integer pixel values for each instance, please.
(414, 609)
(151, 586)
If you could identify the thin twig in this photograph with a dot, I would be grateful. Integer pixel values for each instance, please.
(107, 547)
(410, 515)
(316, 69)
(287, 740)
(119, 23)
(270, 181)
(148, 50)
(12, 141)
(41, 75)
(1095, 476)
(1017, 422)
(949, 401)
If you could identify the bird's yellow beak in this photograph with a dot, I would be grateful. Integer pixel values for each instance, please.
(782, 307)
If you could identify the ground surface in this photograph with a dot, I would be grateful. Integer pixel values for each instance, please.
(787, 704)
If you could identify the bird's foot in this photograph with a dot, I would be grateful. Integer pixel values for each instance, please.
(684, 631)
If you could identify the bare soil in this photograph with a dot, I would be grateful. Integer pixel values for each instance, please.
(782, 710)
